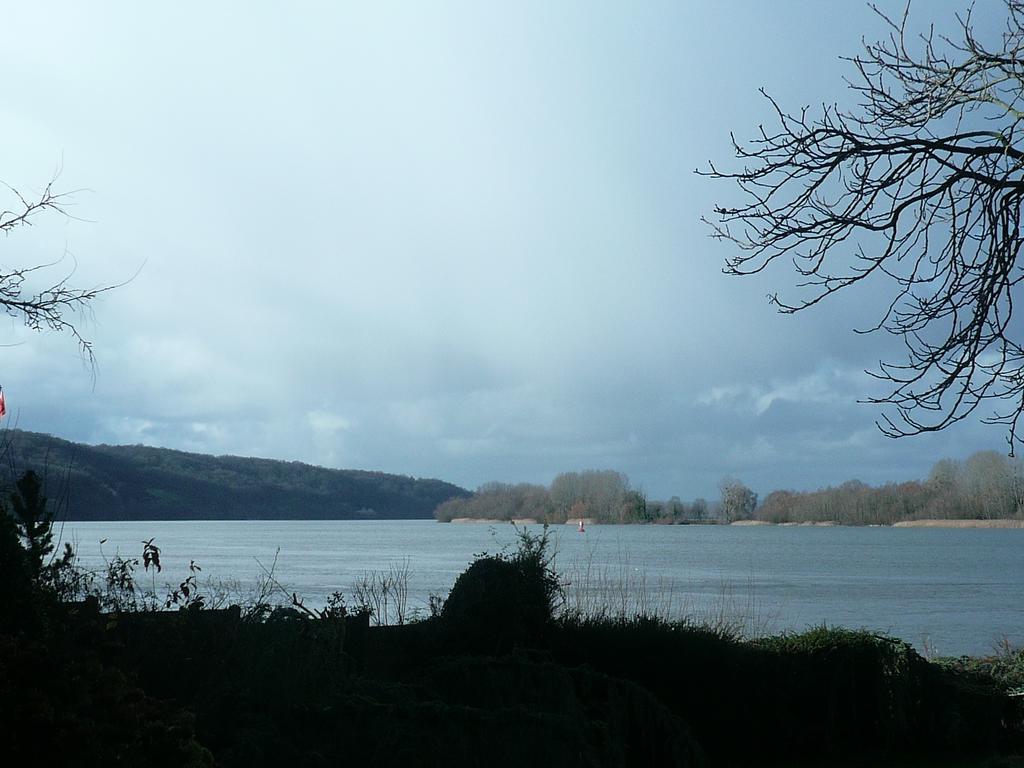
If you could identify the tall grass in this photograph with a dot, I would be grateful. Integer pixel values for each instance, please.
(620, 591)
(590, 588)
(385, 593)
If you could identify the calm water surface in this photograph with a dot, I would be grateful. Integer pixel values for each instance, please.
(953, 591)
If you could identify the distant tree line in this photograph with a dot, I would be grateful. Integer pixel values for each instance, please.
(986, 485)
(604, 496)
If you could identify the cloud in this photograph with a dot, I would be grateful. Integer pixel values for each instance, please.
(461, 241)
(324, 422)
(827, 385)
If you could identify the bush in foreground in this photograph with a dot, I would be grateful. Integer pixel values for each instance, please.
(494, 678)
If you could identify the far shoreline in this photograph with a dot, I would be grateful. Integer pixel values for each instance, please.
(970, 523)
(520, 521)
(1001, 522)
(923, 523)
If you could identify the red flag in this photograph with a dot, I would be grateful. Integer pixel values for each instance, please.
(3, 404)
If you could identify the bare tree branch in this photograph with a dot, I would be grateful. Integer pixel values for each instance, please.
(920, 186)
(57, 305)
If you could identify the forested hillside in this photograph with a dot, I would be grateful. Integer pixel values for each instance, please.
(107, 482)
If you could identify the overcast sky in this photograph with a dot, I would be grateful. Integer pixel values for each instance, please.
(455, 240)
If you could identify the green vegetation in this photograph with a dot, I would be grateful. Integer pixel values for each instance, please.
(107, 482)
(498, 675)
(1005, 667)
(503, 601)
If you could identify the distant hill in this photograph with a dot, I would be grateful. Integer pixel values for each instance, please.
(135, 482)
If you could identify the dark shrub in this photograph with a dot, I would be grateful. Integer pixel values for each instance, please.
(16, 587)
(501, 601)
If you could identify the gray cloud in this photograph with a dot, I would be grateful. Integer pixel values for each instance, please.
(453, 241)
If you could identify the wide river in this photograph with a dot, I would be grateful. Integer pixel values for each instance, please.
(946, 591)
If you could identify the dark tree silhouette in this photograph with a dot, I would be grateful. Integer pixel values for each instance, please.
(917, 187)
(33, 519)
(56, 304)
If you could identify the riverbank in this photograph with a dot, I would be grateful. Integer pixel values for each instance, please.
(272, 680)
(995, 523)
(687, 568)
(494, 521)
(806, 524)
(927, 523)
(519, 520)
(268, 685)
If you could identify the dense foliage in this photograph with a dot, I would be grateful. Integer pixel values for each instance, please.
(141, 483)
(502, 600)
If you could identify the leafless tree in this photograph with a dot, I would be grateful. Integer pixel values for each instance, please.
(738, 501)
(918, 187)
(56, 305)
